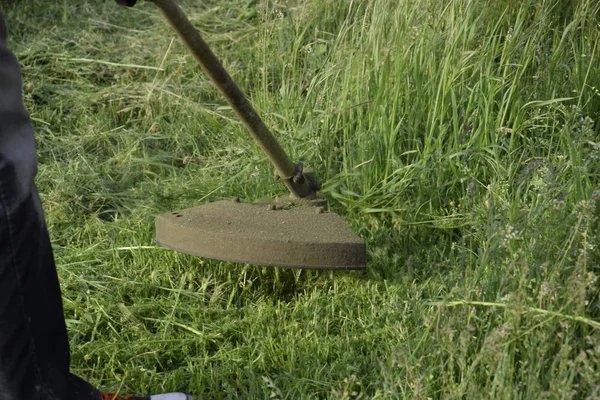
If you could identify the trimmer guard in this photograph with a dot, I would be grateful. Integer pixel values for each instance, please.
(291, 236)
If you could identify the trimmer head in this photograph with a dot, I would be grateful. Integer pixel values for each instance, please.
(278, 234)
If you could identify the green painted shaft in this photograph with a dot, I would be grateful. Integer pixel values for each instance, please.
(234, 96)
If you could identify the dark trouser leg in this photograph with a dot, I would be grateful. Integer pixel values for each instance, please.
(34, 349)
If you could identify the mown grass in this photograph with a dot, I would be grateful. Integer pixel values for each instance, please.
(458, 138)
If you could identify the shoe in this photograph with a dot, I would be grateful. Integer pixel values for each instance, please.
(165, 396)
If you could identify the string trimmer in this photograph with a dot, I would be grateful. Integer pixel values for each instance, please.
(295, 231)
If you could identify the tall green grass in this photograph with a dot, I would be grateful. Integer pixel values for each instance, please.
(458, 138)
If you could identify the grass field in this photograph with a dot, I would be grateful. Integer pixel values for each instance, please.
(460, 139)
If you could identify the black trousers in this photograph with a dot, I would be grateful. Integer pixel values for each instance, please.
(34, 348)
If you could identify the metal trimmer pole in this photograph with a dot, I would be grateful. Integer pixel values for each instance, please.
(286, 169)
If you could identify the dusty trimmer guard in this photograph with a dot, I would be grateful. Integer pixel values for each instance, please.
(263, 234)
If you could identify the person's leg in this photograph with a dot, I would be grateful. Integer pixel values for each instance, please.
(34, 349)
